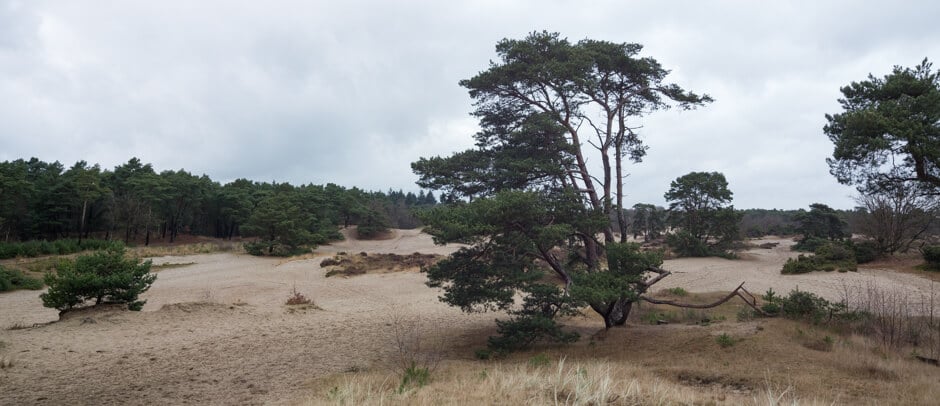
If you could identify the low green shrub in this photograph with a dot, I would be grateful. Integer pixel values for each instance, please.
(522, 331)
(724, 340)
(103, 277)
(273, 248)
(539, 360)
(866, 251)
(809, 244)
(13, 279)
(932, 256)
(677, 291)
(414, 377)
(685, 244)
(31, 249)
(829, 256)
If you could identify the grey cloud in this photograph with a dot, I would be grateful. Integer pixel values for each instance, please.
(352, 92)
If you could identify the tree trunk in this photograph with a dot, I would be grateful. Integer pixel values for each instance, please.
(149, 219)
(81, 226)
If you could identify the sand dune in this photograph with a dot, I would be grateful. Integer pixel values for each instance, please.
(218, 332)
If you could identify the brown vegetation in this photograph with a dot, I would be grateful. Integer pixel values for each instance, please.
(343, 264)
(769, 362)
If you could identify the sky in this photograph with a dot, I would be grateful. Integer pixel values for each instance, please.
(351, 92)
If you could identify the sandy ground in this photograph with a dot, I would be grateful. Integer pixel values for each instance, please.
(218, 331)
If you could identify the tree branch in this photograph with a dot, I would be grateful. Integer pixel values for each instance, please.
(739, 292)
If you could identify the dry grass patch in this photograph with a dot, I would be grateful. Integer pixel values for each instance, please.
(347, 265)
(203, 247)
(169, 265)
(771, 362)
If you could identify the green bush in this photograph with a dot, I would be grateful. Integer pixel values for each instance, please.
(273, 248)
(809, 244)
(724, 340)
(829, 256)
(866, 251)
(414, 377)
(12, 279)
(521, 332)
(807, 306)
(932, 256)
(802, 264)
(103, 277)
(685, 244)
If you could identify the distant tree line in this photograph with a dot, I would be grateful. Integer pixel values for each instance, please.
(135, 203)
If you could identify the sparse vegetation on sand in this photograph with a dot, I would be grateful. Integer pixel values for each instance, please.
(344, 264)
(725, 362)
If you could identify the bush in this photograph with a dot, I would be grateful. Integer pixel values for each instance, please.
(829, 256)
(414, 377)
(685, 244)
(520, 332)
(273, 248)
(30, 249)
(103, 277)
(724, 340)
(12, 279)
(866, 251)
(932, 256)
(807, 306)
(809, 244)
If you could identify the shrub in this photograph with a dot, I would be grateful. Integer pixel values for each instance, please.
(805, 305)
(103, 277)
(415, 377)
(273, 248)
(539, 360)
(725, 340)
(829, 256)
(297, 298)
(521, 332)
(677, 291)
(686, 245)
(12, 279)
(866, 251)
(932, 256)
(30, 249)
(809, 244)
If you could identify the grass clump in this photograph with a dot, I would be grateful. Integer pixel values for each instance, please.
(677, 291)
(414, 377)
(725, 340)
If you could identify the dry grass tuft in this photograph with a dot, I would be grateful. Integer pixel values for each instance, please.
(297, 298)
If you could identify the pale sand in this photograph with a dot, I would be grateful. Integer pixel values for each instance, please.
(218, 332)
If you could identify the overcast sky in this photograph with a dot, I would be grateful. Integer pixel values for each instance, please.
(351, 92)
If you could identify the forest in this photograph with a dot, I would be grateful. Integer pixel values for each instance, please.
(135, 203)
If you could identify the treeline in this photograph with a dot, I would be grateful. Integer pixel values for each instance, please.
(650, 222)
(135, 203)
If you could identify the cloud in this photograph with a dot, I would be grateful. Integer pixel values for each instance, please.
(352, 92)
